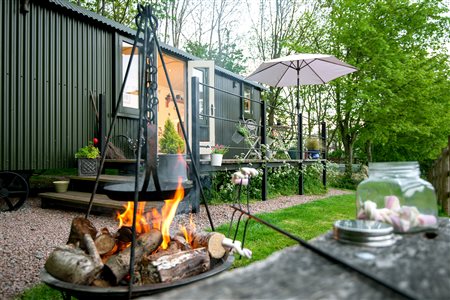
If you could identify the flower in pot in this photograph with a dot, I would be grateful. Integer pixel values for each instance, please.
(172, 163)
(240, 134)
(217, 153)
(87, 158)
(313, 146)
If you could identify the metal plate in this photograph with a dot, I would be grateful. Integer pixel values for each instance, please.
(121, 292)
(125, 191)
(362, 228)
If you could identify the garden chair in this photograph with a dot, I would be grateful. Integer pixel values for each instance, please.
(252, 139)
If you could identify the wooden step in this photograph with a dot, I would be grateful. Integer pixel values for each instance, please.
(105, 178)
(80, 201)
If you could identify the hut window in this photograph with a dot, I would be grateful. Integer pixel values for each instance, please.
(131, 90)
(246, 102)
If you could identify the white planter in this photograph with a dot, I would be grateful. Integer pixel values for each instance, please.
(216, 159)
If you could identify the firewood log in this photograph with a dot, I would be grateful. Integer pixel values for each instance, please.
(212, 241)
(118, 265)
(79, 227)
(73, 265)
(181, 242)
(174, 267)
(105, 243)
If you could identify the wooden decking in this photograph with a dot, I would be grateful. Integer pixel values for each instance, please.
(80, 201)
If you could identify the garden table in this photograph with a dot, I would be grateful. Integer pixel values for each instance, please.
(417, 264)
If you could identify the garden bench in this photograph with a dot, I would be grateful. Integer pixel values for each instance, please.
(417, 264)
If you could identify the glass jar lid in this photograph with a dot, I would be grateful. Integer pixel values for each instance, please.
(364, 233)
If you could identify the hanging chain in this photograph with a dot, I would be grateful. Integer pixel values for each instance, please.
(151, 69)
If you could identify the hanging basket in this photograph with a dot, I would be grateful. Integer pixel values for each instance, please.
(237, 137)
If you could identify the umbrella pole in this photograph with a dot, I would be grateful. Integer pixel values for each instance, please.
(299, 135)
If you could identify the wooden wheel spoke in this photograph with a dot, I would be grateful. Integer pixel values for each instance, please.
(13, 190)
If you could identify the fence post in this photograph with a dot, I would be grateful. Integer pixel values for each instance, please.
(300, 153)
(195, 146)
(263, 142)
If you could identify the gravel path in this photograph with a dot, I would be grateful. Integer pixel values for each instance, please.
(27, 236)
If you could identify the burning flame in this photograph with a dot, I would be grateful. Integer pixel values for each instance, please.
(126, 218)
(158, 221)
(188, 234)
(168, 213)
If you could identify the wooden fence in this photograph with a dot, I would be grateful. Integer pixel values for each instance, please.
(439, 176)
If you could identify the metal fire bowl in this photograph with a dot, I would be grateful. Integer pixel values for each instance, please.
(125, 191)
(121, 292)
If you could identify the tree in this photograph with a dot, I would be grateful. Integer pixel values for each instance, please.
(396, 98)
(228, 57)
(123, 11)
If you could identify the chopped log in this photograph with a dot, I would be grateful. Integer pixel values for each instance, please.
(181, 242)
(124, 234)
(72, 265)
(175, 266)
(79, 227)
(105, 243)
(212, 241)
(118, 265)
(92, 250)
(171, 249)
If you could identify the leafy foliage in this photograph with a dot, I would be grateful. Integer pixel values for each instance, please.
(89, 151)
(228, 57)
(171, 142)
(282, 181)
(393, 107)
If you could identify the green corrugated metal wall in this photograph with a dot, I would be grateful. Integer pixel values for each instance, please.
(49, 63)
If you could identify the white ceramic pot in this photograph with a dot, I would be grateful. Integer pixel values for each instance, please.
(216, 159)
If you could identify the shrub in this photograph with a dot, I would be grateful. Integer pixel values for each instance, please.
(89, 151)
(171, 142)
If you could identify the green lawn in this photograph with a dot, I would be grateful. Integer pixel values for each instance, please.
(305, 221)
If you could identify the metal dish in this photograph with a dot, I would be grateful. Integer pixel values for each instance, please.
(121, 292)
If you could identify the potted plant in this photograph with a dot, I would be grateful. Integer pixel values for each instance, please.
(240, 134)
(172, 162)
(313, 146)
(87, 158)
(217, 153)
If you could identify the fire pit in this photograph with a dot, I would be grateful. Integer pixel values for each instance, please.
(142, 257)
(121, 292)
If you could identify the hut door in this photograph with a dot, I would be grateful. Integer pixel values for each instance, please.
(204, 70)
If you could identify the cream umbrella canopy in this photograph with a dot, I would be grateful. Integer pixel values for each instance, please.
(300, 69)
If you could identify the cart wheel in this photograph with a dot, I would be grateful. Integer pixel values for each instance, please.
(13, 191)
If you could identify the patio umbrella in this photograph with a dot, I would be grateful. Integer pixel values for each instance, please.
(300, 69)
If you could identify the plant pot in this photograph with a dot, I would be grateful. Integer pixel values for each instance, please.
(61, 186)
(314, 154)
(293, 153)
(237, 137)
(216, 159)
(88, 166)
(171, 167)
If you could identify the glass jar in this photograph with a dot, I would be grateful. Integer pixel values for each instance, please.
(394, 193)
